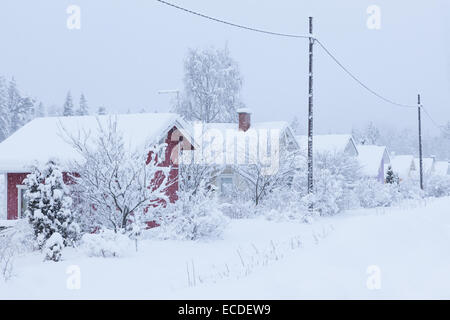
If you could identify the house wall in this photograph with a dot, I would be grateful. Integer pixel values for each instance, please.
(172, 139)
(13, 179)
(381, 172)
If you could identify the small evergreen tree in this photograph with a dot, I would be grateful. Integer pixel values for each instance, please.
(68, 106)
(83, 109)
(49, 207)
(391, 177)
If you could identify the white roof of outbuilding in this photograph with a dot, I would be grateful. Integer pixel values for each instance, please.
(370, 157)
(46, 138)
(328, 142)
(402, 165)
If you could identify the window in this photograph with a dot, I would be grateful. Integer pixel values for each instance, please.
(226, 184)
(22, 202)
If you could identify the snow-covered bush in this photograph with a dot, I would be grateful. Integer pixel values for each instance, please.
(14, 240)
(49, 208)
(117, 186)
(437, 186)
(410, 189)
(372, 193)
(53, 247)
(193, 217)
(106, 243)
(239, 209)
(328, 189)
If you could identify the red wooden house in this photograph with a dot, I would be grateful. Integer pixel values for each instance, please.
(46, 138)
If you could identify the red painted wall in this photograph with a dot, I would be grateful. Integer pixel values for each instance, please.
(14, 179)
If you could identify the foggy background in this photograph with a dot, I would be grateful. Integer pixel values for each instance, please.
(128, 50)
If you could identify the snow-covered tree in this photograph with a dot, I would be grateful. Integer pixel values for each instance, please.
(336, 175)
(101, 111)
(117, 187)
(83, 109)
(259, 183)
(391, 177)
(369, 135)
(15, 110)
(49, 208)
(40, 110)
(212, 85)
(68, 106)
(5, 116)
(296, 126)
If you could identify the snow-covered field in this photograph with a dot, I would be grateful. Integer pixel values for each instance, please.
(402, 252)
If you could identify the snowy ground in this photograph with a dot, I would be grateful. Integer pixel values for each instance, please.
(257, 259)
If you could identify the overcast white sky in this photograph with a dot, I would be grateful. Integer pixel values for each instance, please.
(127, 50)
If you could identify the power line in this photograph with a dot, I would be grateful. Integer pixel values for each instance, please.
(346, 70)
(360, 82)
(440, 127)
(233, 24)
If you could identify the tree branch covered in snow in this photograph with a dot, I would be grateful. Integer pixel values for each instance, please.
(116, 186)
(212, 85)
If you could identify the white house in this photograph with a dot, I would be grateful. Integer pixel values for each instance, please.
(427, 165)
(330, 143)
(373, 161)
(242, 140)
(403, 165)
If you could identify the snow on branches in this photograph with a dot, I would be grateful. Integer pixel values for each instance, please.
(117, 186)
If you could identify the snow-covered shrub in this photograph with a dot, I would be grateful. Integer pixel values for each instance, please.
(106, 243)
(117, 186)
(410, 189)
(14, 240)
(196, 218)
(239, 209)
(437, 186)
(372, 193)
(327, 190)
(49, 208)
(53, 247)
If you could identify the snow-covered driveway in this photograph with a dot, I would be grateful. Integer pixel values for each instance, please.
(406, 251)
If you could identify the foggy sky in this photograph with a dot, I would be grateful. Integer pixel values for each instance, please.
(128, 50)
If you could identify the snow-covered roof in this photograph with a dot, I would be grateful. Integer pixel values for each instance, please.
(46, 138)
(441, 168)
(280, 125)
(329, 143)
(244, 110)
(370, 158)
(402, 165)
(427, 163)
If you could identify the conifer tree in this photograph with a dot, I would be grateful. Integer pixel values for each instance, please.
(68, 106)
(49, 206)
(83, 108)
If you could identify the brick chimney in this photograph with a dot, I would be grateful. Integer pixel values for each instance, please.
(244, 119)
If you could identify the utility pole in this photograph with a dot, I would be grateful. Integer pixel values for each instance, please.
(310, 109)
(419, 106)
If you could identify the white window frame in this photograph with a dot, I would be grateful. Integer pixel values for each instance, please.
(20, 189)
(225, 176)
